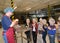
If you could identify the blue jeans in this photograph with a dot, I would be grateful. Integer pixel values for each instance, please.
(44, 36)
(5, 38)
(52, 38)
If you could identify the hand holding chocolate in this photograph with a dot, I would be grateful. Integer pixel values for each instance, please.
(14, 22)
(49, 28)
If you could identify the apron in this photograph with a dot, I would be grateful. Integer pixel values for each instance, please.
(9, 36)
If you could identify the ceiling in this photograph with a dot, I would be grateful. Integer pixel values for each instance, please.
(28, 5)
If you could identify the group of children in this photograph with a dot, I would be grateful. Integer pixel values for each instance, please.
(43, 27)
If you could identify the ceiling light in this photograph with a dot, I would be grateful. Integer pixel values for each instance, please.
(28, 8)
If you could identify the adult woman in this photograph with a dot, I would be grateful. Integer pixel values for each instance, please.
(34, 30)
(51, 30)
(28, 26)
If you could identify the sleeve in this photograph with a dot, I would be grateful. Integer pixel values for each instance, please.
(6, 22)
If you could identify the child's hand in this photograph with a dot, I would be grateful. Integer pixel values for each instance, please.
(49, 28)
(14, 22)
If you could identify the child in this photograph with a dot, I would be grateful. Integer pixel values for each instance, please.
(44, 33)
(51, 30)
(58, 30)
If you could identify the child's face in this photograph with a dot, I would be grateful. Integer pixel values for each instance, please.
(44, 21)
(27, 21)
(52, 21)
(34, 20)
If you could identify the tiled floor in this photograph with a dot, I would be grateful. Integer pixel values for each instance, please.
(24, 41)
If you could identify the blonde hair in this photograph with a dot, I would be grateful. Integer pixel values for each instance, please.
(51, 20)
(35, 19)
